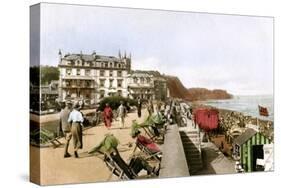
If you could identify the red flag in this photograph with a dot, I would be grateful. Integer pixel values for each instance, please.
(263, 111)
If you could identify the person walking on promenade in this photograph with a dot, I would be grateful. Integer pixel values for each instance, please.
(150, 107)
(139, 106)
(66, 128)
(121, 111)
(107, 116)
(76, 119)
(61, 107)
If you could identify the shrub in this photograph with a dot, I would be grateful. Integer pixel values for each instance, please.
(114, 102)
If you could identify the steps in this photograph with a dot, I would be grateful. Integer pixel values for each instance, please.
(190, 138)
(192, 148)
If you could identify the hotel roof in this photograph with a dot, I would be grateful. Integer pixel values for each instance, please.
(93, 57)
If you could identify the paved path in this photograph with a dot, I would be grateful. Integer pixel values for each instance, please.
(58, 170)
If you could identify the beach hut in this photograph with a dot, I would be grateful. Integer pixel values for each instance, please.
(206, 119)
(248, 147)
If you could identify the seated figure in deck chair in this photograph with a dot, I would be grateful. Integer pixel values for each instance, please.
(154, 126)
(145, 144)
(115, 162)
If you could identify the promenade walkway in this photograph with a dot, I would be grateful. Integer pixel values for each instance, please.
(58, 170)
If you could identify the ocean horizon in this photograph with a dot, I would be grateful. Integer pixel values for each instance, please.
(247, 104)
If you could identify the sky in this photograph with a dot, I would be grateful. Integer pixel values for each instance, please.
(228, 52)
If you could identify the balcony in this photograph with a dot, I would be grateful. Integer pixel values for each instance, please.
(82, 86)
(77, 77)
(139, 85)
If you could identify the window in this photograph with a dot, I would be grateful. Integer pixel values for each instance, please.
(71, 63)
(68, 94)
(110, 73)
(135, 80)
(105, 64)
(148, 80)
(102, 81)
(101, 94)
(88, 83)
(67, 83)
(101, 72)
(119, 83)
(78, 72)
(110, 83)
(119, 93)
(142, 80)
(78, 62)
(68, 71)
(88, 72)
(119, 73)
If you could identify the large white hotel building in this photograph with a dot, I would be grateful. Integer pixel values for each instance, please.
(93, 77)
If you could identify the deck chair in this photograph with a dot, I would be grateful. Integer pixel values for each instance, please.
(118, 166)
(149, 153)
(43, 136)
(125, 171)
(154, 133)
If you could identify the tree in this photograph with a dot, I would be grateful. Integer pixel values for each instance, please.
(48, 73)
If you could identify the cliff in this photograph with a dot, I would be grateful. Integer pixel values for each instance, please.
(204, 94)
(178, 90)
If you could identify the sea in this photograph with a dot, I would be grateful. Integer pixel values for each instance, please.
(247, 105)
